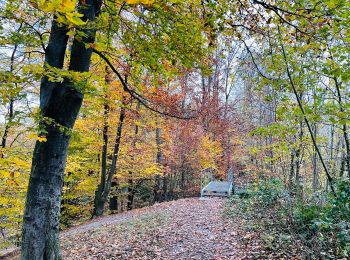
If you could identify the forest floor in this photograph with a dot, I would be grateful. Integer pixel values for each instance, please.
(184, 229)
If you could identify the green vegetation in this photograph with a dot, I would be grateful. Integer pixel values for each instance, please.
(320, 225)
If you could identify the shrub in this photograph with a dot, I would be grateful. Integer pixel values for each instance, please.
(325, 228)
(321, 222)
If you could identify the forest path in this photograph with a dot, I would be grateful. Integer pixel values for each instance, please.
(184, 229)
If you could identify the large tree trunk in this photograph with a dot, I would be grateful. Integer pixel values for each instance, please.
(61, 103)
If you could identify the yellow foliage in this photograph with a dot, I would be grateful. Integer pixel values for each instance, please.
(63, 9)
(14, 176)
(209, 152)
(41, 138)
(136, 2)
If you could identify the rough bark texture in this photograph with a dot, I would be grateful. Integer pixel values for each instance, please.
(41, 217)
(61, 103)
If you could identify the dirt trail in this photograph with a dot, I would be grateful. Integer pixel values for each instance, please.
(183, 229)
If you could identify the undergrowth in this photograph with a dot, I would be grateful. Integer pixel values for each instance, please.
(288, 225)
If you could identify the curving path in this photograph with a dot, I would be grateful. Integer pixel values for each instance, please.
(182, 229)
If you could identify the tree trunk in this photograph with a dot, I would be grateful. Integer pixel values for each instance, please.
(165, 188)
(344, 127)
(291, 171)
(298, 156)
(342, 166)
(157, 191)
(113, 201)
(115, 184)
(12, 100)
(315, 179)
(182, 183)
(131, 192)
(60, 102)
(98, 194)
(109, 184)
(131, 188)
(8, 125)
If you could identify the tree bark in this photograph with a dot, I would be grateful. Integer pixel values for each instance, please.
(60, 102)
(114, 184)
(8, 125)
(106, 186)
(131, 192)
(99, 191)
(165, 195)
(131, 188)
(156, 191)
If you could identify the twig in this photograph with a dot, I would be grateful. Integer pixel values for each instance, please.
(255, 64)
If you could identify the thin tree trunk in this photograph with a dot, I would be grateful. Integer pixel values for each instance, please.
(131, 192)
(12, 100)
(315, 179)
(8, 125)
(342, 166)
(109, 182)
(157, 189)
(298, 159)
(114, 184)
(331, 150)
(60, 102)
(344, 126)
(291, 171)
(99, 191)
(165, 194)
(182, 183)
(329, 177)
(131, 188)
